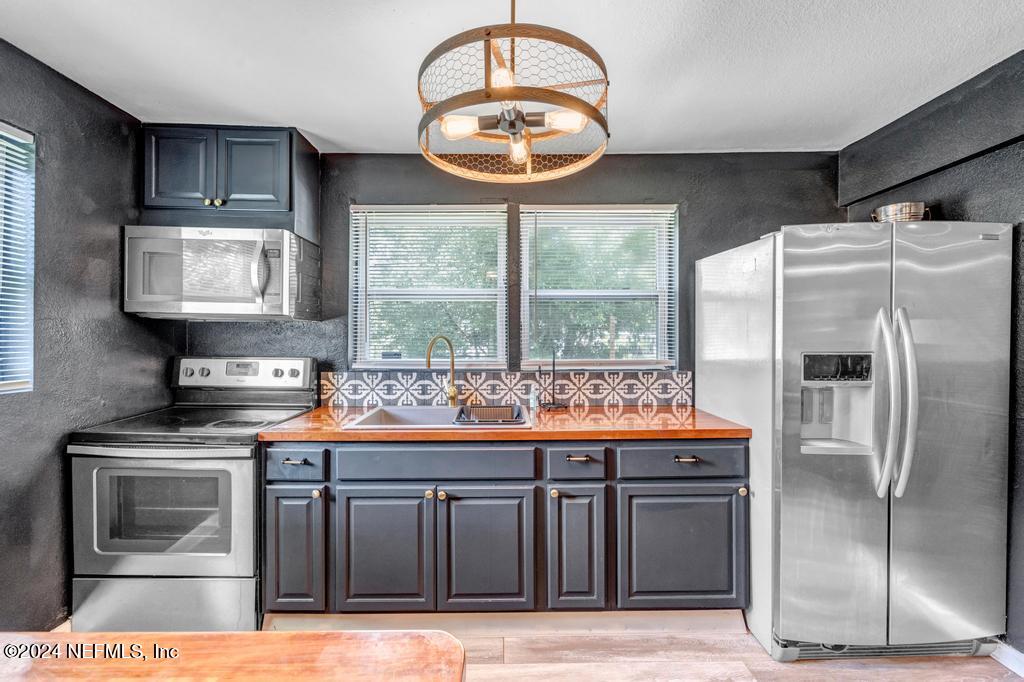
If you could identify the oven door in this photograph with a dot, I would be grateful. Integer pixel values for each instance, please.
(163, 517)
(205, 273)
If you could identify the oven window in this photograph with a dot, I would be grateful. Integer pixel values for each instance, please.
(168, 511)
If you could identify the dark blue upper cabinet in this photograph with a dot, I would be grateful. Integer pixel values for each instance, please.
(253, 169)
(260, 178)
(181, 167)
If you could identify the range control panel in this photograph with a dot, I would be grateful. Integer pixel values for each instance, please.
(257, 373)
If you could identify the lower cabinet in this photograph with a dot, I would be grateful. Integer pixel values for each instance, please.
(485, 539)
(576, 531)
(666, 528)
(449, 548)
(384, 548)
(682, 545)
(295, 540)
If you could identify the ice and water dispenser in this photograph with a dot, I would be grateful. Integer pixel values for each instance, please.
(836, 403)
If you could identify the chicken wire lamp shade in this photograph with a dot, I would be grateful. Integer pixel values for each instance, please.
(513, 103)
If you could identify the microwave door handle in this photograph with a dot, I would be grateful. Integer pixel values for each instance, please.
(913, 401)
(254, 272)
(893, 434)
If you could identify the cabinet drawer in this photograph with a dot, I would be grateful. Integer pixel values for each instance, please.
(574, 463)
(296, 464)
(434, 463)
(682, 460)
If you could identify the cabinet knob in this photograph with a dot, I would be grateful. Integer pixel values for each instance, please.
(554, 492)
(743, 492)
(315, 494)
(442, 495)
(218, 202)
(429, 494)
(207, 202)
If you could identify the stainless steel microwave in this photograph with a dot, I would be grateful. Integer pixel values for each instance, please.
(220, 273)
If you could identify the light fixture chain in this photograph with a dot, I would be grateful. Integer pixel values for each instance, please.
(512, 42)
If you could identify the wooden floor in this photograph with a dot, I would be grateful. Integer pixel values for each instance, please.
(625, 646)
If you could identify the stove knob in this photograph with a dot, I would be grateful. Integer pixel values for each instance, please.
(293, 373)
(204, 371)
(278, 372)
(188, 371)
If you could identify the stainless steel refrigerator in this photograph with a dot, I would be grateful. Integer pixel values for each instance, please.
(872, 361)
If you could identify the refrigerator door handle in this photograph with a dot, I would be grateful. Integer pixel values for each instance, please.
(895, 402)
(913, 400)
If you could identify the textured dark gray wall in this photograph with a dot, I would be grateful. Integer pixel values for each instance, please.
(988, 188)
(724, 200)
(978, 115)
(93, 363)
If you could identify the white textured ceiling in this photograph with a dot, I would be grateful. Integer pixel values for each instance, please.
(686, 75)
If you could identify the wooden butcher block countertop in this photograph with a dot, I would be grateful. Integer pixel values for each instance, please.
(591, 423)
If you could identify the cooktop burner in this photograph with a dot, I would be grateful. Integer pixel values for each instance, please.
(218, 401)
(190, 424)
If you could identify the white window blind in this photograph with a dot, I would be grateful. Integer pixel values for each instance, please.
(417, 271)
(599, 285)
(17, 228)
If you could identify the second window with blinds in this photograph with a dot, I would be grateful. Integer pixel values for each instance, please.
(598, 285)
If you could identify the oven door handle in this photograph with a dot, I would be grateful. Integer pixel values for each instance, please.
(133, 452)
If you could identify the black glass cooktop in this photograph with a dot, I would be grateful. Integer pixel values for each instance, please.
(189, 425)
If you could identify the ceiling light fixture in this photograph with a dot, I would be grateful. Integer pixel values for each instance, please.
(513, 103)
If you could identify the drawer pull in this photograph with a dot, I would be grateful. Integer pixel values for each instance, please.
(577, 458)
(686, 460)
(289, 460)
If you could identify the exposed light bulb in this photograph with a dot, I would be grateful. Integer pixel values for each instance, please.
(565, 120)
(457, 127)
(517, 151)
(503, 78)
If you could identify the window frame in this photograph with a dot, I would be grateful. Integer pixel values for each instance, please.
(514, 315)
(361, 299)
(24, 385)
(662, 294)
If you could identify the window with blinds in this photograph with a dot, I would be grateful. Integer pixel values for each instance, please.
(17, 228)
(417, 271)
(599, 285)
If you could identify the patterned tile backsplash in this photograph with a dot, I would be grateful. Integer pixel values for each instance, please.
(577, 388)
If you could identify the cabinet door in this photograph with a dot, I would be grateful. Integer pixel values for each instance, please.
(295, 538)
(485, 553)
(682, 545)
(384, 548)
(253, 169)
(576, 532)
(179, 166)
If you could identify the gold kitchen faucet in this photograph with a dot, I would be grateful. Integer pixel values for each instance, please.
(451, 391)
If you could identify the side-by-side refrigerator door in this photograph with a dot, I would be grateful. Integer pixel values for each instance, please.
(836, 342)
(949, 495)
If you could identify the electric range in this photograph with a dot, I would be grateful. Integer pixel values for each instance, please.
(165, 504)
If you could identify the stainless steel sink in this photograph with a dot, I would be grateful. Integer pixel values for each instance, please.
(393, 418)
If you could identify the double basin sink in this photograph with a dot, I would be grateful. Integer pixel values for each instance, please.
(397, 418)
